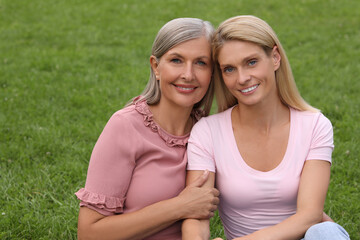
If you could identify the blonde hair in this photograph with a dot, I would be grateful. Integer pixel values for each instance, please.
(252, 29)
(171, 34)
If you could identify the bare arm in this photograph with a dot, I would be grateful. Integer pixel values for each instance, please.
(196, 229)
(192, 202)
(313, 187)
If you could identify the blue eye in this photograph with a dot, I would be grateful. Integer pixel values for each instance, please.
(228, 69)
(175, 60)
(252, 62)
(202, 63)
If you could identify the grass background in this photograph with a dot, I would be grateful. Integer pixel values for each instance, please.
(66, 66)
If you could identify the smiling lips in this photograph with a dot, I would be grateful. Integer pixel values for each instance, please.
(185, 88)
(249, 90)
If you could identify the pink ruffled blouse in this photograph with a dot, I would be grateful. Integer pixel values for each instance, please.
(135, 163)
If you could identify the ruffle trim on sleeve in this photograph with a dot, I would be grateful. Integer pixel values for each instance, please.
(109, 204)
(170, 140)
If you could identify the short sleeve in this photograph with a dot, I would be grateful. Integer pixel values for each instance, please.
(200, 150)
(322, 143)
(110, 169)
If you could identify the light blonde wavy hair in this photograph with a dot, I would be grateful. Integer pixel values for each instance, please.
(252, 29)
(171, 34)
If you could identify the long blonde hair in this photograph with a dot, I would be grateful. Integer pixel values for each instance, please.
(171, 34)
(252, 29)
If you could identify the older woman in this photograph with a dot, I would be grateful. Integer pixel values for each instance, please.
(136, 177)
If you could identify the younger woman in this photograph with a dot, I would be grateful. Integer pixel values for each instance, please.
(136, 177)
(270, 150)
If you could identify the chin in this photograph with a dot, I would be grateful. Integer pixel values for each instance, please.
(187, 102)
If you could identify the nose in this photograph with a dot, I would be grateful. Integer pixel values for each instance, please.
(188, 72)
(243, 77)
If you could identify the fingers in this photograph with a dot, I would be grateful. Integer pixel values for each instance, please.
(213, 202)
(212, 207)
(326, 218)
(216, 201)
(200, 199)
(209, 215)
(215, 192)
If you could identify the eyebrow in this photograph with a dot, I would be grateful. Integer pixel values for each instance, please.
(251, 56)
(244, 60)
(179, 55)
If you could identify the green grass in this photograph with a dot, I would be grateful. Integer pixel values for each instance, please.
(66, 66)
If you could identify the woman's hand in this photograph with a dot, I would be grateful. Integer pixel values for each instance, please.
(200, 187)
(326, 218)
(199, 202)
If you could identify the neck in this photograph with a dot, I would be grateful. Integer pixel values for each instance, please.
(175, 120)
(263, 116)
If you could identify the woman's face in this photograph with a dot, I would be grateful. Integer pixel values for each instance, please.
(248, 72)
(184, 72)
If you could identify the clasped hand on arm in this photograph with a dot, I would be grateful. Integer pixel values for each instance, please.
(195, 201)
(197, 228)
(199, 201)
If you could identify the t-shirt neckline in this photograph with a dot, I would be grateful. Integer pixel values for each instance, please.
(237, 155)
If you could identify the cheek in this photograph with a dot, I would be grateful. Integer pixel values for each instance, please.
(229, 81)
(166, 74)
(270, 76)
(204, 76)
(208, 77)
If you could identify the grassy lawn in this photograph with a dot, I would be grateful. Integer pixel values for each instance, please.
(66, 66)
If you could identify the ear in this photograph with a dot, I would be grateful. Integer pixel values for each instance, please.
(154, 65)
(276, 57)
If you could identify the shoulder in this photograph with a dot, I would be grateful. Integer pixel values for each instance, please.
(132, 112)
(125, 113)
(314, 126)
(212, 125)
(124, 119)
(215, 119)
(313, 119)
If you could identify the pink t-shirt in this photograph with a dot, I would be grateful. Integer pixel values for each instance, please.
(249, 199)
(135, 163)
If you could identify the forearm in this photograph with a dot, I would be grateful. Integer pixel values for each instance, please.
(194, 229)
(135, 225)
(313, 186)
(292, 228)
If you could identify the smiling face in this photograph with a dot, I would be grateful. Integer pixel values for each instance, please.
(184, 72)
(249, 72)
